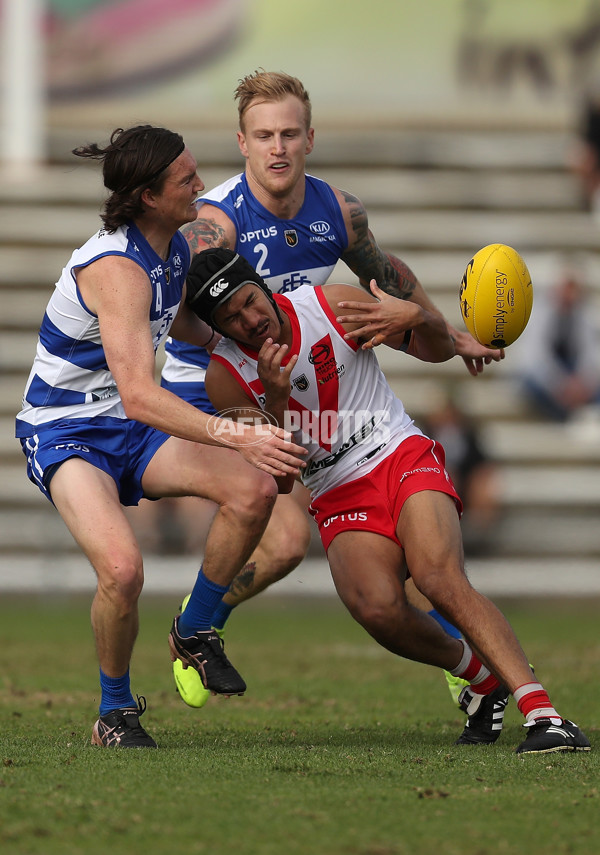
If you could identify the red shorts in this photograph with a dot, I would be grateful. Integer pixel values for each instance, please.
(373, 502)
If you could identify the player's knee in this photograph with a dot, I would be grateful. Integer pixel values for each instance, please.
(445, 588)
(285, 554)
(253, 498)
(121, 579)
(284, 549)
(379, 615)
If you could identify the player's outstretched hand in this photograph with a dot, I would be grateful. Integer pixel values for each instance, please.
(474, 355)
(270, 449)
(378, 321)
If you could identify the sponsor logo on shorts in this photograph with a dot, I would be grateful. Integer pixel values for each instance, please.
(419, 471)
(72, 446)
(355, 516)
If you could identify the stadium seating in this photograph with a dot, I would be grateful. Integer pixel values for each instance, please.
(434, 198)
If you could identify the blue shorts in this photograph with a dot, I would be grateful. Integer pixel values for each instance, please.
(120, 447)
(193, 393)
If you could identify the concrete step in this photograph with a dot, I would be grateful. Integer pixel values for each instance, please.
(495, 398)
(520, 532)
(69, 573)
(440, 269)
(465, 231)
(572, 485)
(30, 268)
(11, 393)
(494, 149)
(28, 275)
(549, 486)
(538, 443)
(82, 187)
(55, 225)
(17, 350)
(507, 442)
(457, 190)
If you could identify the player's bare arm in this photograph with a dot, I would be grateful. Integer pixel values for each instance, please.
(212, 227)
(226, 395)
(119, 293)
(385, 319)
(187, 326)
(366, 258)
(368, 261)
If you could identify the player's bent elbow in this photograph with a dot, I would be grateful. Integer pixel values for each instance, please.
(446, 352)
(134, 409)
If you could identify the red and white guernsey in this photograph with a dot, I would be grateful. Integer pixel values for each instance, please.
(341, 407)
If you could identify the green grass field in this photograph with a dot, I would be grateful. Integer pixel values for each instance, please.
(338, 746)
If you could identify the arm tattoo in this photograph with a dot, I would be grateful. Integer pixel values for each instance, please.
(203, 231)
(368, 260)
(401, 276)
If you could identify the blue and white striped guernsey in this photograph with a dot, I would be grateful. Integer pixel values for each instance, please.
(286, 253)
(70, 378)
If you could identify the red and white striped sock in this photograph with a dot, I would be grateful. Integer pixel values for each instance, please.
(471, 669)
(533, 701)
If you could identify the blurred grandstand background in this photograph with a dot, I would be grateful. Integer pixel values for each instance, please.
(449, 152)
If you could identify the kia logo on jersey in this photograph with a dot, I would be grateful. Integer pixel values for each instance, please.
(320, 227)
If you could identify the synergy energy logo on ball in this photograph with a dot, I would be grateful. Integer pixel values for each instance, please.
(496, 295)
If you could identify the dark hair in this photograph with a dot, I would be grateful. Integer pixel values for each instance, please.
(134, 160)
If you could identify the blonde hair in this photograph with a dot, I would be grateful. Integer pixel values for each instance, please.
(270, 86)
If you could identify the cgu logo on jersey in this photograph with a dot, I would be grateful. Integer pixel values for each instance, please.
(291, 237)
(301, 383)
(319, 227)
(218, 287)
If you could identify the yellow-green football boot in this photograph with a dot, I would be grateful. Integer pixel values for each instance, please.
(455, 686)
(188, 680)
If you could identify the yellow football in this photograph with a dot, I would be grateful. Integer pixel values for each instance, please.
(496, 295)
